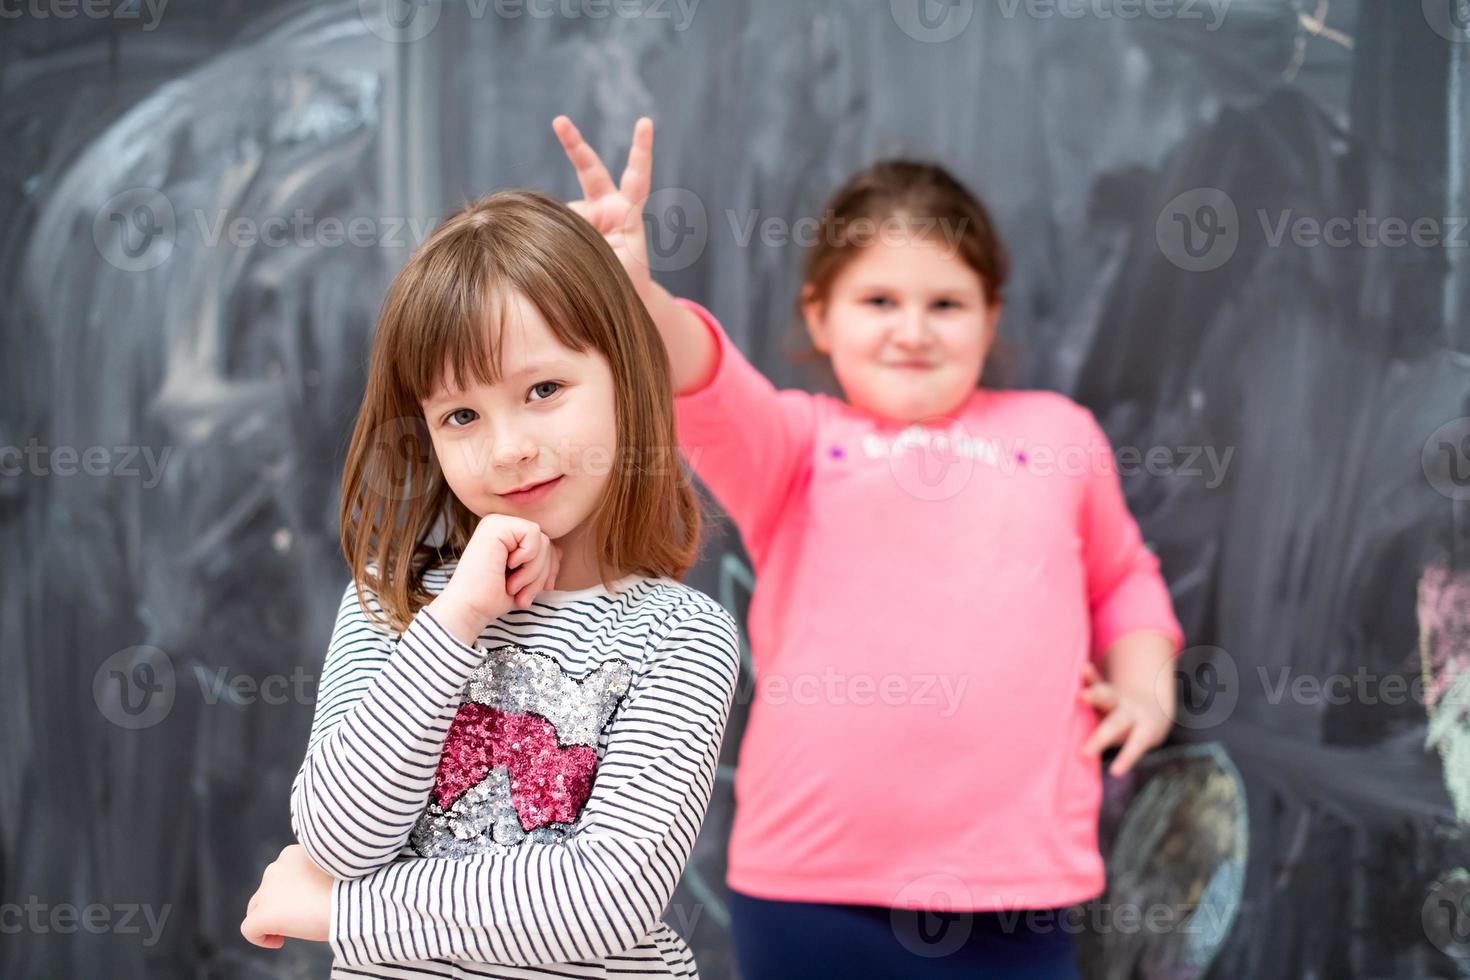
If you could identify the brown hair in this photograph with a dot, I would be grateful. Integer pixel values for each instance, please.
(914, 190)
(434, 320)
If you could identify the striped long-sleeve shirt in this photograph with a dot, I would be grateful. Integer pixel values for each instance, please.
(523, 807)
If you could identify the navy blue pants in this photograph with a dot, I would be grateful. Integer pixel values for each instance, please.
(777, 940)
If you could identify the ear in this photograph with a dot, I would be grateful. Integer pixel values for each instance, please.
(815, 314)
(992, 320)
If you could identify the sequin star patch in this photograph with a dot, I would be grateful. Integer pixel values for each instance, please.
(521, 754)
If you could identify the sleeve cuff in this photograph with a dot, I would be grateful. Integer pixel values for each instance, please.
(1106, 634)
(336, 929)
(360, 946)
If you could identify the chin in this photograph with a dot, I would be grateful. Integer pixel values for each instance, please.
(908, 411)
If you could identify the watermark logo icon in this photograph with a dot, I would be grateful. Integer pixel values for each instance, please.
(400, 21)
(921, 920)
(1446, 915)
(677, 227)
(1450, 19)
(1446, 459)
(135, 229)
(135, 687)
(1199, 230)
(932, 21)
(1207, 686)
(924, 459)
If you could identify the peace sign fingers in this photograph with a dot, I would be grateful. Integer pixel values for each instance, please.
(636, 174)
(591, 174)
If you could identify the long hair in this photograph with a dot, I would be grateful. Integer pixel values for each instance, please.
(445, 312)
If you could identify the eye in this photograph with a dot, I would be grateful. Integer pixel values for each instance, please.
(879, 301)
(543, 384)
(946, 304)
(452, 414)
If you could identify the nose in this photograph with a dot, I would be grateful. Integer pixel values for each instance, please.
(912, 331)
(513, 449)
(512, 456)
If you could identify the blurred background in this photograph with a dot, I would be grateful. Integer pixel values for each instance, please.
(1239, 231)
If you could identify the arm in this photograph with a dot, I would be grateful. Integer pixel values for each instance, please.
(384, 707)
(1137, 701)
(1136, 663)
(602, 889)
(1134, 631)
(1125, 590)
(748, 442)
(693, 352)
(751, 444)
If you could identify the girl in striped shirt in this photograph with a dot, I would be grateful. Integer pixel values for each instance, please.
(520, 713)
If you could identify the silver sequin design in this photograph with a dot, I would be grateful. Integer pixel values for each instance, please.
(520, 682)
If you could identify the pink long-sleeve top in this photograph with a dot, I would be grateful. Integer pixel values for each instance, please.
(925, 598)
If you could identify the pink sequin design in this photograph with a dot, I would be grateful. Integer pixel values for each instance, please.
(547, 782)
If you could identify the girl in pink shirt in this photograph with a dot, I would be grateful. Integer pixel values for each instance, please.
(954, 612)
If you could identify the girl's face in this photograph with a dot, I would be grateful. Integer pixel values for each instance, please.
(551, 417)
(907, 327)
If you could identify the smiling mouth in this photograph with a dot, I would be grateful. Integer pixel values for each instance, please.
(533, 490)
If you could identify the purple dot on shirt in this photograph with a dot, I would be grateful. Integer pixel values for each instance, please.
(837, 452)
(1021, 458)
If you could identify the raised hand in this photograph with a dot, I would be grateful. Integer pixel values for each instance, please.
(615, 210)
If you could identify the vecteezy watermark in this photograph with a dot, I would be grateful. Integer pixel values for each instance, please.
(402, 446)
(935, 21)
(676, 226)
(137, 687)
(301, 229)
(119, 919)
(935, 458)
(1200, 230)
(1211, 13)
(1362, 686)
(406, 21)
(35, 459)
(1100, 917)
(895, 230)
(928, 916)
(138, 229)
(1449, 19)
(932, 21)
(921, 915)
(835, 687)
(1362, 230)
(1445, 915)
(1445, 459)
(134, 230)
(1209, 687)
(119, 10)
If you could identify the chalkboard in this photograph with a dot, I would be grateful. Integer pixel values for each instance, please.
(1239, 238)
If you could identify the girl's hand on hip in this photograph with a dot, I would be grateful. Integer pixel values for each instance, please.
(1135, 720)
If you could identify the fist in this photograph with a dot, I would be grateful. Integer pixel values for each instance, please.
(294, 901)
(507, 563)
